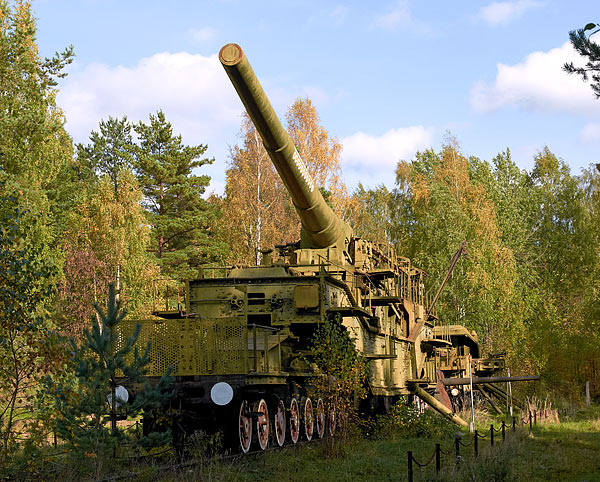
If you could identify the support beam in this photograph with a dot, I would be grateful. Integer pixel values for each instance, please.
(502, 394)
(479, 380)
(437, 405)
(489, 400)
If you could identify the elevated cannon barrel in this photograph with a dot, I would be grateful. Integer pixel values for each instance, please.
(321, 227)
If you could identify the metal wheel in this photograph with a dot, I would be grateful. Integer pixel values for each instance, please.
(244, 427)
(331, 420)
(294, 421)
(262, 423)
(279, 423)
(309, 418)
(320, 418)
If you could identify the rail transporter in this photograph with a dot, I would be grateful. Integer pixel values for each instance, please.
(239, 343)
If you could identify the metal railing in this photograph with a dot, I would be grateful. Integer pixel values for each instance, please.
(167, 296)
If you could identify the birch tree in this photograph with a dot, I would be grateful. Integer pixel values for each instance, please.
(258, 210)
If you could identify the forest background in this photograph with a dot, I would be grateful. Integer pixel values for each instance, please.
(129, 207)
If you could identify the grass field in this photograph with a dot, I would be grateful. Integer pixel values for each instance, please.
(568, 451)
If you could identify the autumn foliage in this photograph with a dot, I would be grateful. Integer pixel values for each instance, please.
(258, 211)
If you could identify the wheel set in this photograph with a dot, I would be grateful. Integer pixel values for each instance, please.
(284, 423)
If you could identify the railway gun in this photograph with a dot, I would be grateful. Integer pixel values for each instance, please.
(239, 338)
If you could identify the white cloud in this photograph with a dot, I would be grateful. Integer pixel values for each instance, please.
(216, 187)
(202, 34)
(590, 134)
(316, 94)
(537, 83)
(523, 154)
(504, 12)
(192, 90)
(397, 14)
(339, 14)
(366, 152)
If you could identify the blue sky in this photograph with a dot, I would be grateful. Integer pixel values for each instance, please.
(387, 78)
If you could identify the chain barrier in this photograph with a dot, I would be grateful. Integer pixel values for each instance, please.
(443, 452)
(425, 464)
(457, 444)
(466, 444)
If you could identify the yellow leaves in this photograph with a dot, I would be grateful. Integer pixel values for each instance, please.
(403, 173)
(258, 211)
(420, 190)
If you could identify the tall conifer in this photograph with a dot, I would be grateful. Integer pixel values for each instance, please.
(180, 217)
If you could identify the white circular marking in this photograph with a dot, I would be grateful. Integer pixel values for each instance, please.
(221, 393)
(121, 396)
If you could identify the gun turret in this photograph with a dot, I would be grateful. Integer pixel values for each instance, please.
(321, 227)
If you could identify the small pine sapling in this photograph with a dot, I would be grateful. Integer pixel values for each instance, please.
(103, 362)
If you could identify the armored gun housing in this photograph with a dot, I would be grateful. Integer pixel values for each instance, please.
(239, 342)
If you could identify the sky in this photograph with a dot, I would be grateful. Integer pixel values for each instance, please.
(388, 78)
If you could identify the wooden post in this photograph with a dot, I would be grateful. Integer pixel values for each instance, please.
(587, 394)
(530, 421)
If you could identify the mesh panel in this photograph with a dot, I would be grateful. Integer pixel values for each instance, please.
(164, 351)
(191, 346)
(222, 346)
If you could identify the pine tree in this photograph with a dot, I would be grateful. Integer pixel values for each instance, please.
(110, 151)
(101, 363)
(180, 217)
(587, 48)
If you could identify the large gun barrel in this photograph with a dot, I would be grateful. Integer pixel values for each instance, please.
(321, 227)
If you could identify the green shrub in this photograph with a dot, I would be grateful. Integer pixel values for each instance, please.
(405, 420)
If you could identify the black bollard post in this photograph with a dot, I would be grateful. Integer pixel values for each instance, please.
(410, 466)
(535, 417)
(492, 435)
(503, 431)
(438, 461)
(476, 444)
(514, 423)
